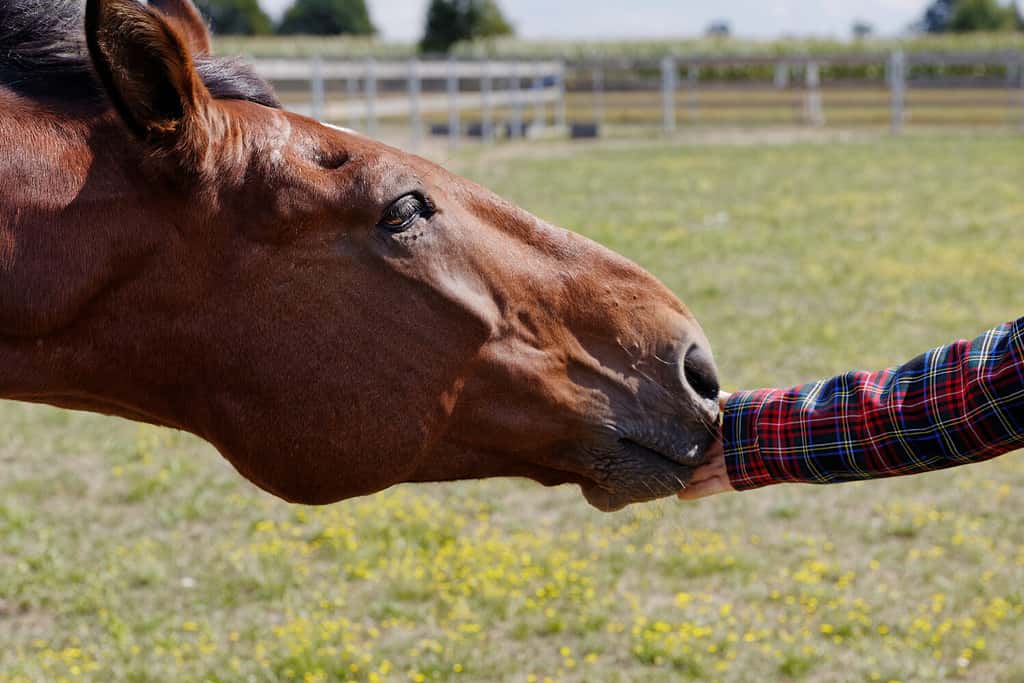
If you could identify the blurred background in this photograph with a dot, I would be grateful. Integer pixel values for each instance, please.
(828, 186)
(480, 70)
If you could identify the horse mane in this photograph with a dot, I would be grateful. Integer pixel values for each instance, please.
(43, 55)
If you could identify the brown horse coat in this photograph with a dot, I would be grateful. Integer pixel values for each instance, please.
(334, 315)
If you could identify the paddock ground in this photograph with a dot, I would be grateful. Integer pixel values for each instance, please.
(129, 553)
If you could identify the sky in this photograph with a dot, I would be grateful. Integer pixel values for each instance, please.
(403, 19)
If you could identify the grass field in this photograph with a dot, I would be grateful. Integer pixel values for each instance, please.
(843, 108)
(129, 553)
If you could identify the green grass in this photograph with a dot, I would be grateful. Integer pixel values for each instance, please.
(357, 48)
(134, 554)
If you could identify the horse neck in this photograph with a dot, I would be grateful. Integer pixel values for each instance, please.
(74, 227)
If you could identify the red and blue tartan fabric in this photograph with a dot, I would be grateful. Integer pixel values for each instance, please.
(955, 405)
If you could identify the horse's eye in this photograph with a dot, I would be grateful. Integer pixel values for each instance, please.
(403, 213)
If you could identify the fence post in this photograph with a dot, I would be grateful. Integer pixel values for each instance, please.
(561, 116)
(515, 95)
(539, 110)
(486, 104)
(414, 102)
(898, 89)
(668, 93)
(316, 68)
(1020, 73)
(781, 76)
(351, 94)
(693, 85)
(597, 78)
(453, 103)
(371, 97)
(815, 111)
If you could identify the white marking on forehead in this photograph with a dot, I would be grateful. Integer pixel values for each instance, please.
(340, 129)
(279, 140)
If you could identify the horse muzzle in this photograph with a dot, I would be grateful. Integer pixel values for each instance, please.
(660, 438)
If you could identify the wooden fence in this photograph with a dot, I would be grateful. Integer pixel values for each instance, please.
(511, 98)
(415, 90)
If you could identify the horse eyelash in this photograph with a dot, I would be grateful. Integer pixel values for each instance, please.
(429, 207)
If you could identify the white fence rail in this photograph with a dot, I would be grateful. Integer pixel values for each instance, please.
(488, 99)
(419, 88)
(306, 69)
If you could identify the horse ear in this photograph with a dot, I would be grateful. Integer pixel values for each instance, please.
(186, 18)
(148, 73)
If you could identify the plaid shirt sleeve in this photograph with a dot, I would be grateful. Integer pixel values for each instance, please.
(955, 405)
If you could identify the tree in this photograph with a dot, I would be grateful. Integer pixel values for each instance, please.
(1018, 15)
(980, 15)
(453, 21)
(937, 16)
(328, 17)
(235, 17)
(862, 30)
(964, 16)
(718, 29)
(491, 22)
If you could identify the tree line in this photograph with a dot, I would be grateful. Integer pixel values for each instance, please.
(448, 21)
(967, 16)
(452, 21)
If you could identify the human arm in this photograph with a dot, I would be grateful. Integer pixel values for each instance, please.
(955, 405)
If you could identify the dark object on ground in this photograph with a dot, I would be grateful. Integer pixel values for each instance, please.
(517, 129)
(584, 130)
(440, 129)
(480, 130)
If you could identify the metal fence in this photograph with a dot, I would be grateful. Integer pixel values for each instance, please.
(491, 100)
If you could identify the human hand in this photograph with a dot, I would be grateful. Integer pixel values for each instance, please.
(712, 477)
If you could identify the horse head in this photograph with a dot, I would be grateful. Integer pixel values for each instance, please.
(336, 316)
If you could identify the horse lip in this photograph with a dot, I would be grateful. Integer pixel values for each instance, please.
(609, 497)
(691, 456)
(603, 499)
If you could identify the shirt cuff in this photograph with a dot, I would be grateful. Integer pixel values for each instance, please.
(743, 459)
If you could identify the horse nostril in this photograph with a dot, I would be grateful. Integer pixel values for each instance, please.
(700, 373)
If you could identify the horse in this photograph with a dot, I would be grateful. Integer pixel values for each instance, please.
(334, 315)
